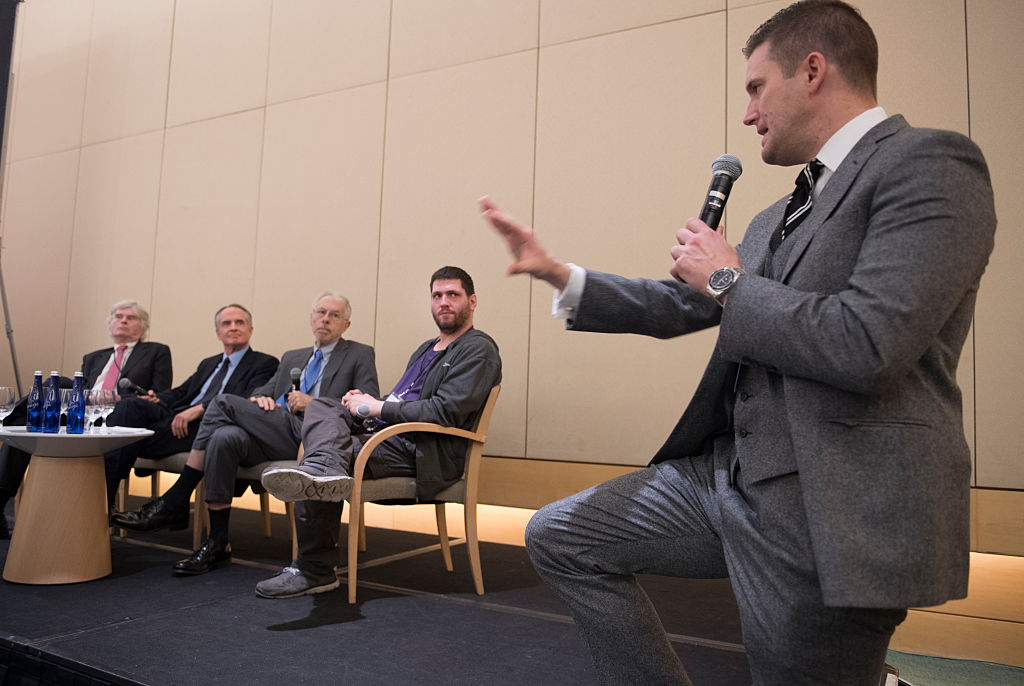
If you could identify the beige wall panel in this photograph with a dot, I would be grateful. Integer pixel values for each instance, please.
(319, 213)
(129, 56)
(761, 184)
(218, 58)
(623, 158)
(454, 135)
(206, 232)
(441, 33)
(922, 74)
(50, 78)
(318, 46)
(115, 229)
(564, 20)
(36, 250)
(997, 98)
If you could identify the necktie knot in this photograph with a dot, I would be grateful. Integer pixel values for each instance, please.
(800, 203)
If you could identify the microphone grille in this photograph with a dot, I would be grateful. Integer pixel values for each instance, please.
(296, 372)
(728, 165)
(124, 384)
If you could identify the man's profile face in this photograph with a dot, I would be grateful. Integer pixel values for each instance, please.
(450, 306)
(125, 326)
(776, 109)
(233, 328)
(328, 320)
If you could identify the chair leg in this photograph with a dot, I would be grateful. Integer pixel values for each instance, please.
(354, 528)
(289, 509)
(442, 533)
(362, 527)
(154, 485)
(200, 517)
(473, 547)
(265, 509)
(122, 502)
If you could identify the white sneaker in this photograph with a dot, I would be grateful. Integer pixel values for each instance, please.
(306, 483)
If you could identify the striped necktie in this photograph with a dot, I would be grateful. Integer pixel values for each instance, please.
(799, 205)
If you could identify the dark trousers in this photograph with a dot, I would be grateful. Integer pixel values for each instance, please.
(699, 518)
(146, 415)
(235, 433)
(327, 438)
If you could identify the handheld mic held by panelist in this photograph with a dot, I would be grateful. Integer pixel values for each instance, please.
(126, 385)
(724, 170)
(295, 374)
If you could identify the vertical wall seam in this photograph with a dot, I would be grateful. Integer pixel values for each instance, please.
(383, 161)
(259, 162)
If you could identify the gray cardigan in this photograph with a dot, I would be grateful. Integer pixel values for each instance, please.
(454, 392)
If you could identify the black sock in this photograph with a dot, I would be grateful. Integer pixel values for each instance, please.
(113, 483)
(219, 520)
(178, 494)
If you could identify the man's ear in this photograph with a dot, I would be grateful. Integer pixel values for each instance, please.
(813, 70)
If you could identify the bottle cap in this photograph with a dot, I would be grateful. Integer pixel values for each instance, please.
(39, 372)
(54, 373)
(79, 374)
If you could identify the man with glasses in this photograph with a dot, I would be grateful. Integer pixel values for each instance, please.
(238, 432)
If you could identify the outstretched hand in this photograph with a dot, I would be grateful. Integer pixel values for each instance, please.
(530, 256)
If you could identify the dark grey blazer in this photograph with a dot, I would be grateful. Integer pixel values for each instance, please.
(865, 329)
(149, 366)
(352, 365)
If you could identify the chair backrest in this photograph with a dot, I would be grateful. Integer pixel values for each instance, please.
(475, 449)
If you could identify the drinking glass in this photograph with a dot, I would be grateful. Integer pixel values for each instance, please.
(65, 402)
(93, 403)
(106, 407)
(7, 401)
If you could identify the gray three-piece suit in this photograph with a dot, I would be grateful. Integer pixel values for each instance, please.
(821, 463)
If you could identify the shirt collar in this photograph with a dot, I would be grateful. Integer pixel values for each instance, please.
(236, 356)
(842, 141)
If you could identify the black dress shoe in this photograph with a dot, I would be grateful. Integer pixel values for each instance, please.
(152, 516)
(209, 555)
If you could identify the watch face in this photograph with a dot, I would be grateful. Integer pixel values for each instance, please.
(721, 279)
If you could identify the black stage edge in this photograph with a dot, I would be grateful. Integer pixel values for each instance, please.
(414, 622)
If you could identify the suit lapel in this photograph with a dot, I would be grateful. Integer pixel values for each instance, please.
(337, 356)
(837, 188)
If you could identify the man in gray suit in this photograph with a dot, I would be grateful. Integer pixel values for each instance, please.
(244, 432)
(821, 464)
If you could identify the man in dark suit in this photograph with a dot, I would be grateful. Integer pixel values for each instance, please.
(146, 364)
(238, 432)
(821, 464)
(174, 415)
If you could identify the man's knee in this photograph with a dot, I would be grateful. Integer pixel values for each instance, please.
(230, 442)
(543, 533)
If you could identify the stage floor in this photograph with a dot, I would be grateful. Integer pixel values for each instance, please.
(414, 622)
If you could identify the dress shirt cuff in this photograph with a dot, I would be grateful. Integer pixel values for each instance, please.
(565, 301)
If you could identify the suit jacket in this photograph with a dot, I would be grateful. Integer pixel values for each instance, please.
(352, 365)
(865, 330)
(149, 366)
(253, 370)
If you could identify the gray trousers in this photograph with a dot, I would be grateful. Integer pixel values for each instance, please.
(236, 432)
(697, 518)
(328, 439)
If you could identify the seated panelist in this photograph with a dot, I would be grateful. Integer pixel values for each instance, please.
(174, 415)
(146, 363)
(236, 431)
(446, 381)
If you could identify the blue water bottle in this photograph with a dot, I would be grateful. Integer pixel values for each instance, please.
(76, 408)
(51, 405)
(34, 419)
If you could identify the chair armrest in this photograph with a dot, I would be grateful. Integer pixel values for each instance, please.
(395, 429)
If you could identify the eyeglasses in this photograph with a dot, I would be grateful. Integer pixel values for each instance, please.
(333, 315)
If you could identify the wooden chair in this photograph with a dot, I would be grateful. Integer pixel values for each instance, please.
(201, 521)
(403, 489)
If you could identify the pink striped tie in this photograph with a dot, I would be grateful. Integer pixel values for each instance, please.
(110, 380)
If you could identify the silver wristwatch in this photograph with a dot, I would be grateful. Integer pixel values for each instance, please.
(721, 282)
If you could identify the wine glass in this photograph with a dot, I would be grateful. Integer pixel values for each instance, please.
(93, 403)
(7, 401)
(65, 402)
(107, 400)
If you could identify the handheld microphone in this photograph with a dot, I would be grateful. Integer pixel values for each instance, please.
(296, 374)
(724, 170)
(127, 385)
(363, 411)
